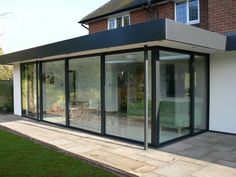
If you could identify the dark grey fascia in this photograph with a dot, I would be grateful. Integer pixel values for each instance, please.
(231, 42)
(165, 32)
(139, 33)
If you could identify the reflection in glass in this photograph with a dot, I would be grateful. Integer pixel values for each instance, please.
(84, 85)
(53, 85)
(193, 10)
(174, 95)
(29, 91)
(200, 93)
(124, 91)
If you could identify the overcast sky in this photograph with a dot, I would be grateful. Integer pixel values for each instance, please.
(32, 23)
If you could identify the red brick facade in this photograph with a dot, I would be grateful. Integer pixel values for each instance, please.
(166, 11)
(98, 26)
(215, 15)
(203, 14)
(222, 15)
(139, 16)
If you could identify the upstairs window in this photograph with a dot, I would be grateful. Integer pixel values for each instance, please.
(187, 11)
(118, 22)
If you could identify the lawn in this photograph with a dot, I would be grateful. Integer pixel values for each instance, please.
(20, 157)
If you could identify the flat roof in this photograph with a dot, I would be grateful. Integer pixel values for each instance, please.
(165, 32)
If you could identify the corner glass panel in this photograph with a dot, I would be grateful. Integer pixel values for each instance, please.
(174, 111)
(124, 97)
(85, 93)
(29, 90)
(200, 94)
(53, 85)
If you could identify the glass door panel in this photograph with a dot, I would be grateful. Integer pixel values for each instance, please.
(125, 95)
(29, 90)
(174, 111)
(53, 85)
(85, 93)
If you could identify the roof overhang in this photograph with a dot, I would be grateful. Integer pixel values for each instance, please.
(165, 33)
(94, 16)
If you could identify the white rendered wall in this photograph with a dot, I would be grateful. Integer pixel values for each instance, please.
(223, 92)
(17, 89)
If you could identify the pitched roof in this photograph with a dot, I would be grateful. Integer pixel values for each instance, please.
(115, 6)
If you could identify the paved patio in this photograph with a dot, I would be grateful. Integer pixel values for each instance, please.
(206, 155)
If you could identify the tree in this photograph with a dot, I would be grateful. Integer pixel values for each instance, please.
(6, 71)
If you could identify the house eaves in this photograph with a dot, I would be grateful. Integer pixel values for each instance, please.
(117, 6)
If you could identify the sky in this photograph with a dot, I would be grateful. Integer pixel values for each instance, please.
(32, 23)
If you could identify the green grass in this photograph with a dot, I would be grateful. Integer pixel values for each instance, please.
(20, 157)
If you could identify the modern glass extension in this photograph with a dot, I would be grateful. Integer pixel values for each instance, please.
(105, 93)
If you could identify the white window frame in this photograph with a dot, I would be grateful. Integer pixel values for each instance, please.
(187, 10)
(115, 18)
(108, 24)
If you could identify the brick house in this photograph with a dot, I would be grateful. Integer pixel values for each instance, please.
(152, 72)
(213, 15)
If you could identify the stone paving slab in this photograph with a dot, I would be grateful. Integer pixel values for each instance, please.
(201, 156)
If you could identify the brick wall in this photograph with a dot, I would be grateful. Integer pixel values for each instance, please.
(215, 15)
(203, 14)
(139, 16)
(222, 15)
(166, 11)
(160, 11)
(98, 26)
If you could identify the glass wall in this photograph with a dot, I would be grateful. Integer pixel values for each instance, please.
(174, 92)
(85, 93)
(200, 94)
(124, 90)
(124, 94)
(29, 90)
(53, 93)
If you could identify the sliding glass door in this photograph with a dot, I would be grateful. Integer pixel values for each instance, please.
(124, 95)
(53, 91)
(29, 90)
(85, 93)
(174, 89)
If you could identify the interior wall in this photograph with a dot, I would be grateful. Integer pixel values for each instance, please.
(223, 92)
(17, 89)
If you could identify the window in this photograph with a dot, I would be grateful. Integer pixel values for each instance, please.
(112, 23)
(118, 22)
(187, 11)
